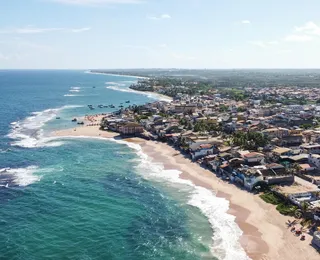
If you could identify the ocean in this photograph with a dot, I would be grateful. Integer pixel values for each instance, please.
(91, 198)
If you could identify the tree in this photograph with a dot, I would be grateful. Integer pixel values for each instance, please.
(249, 140)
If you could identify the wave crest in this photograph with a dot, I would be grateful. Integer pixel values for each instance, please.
(18, 176)
(227, 233)
(28, 133)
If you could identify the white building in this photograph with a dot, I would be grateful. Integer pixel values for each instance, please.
(313, 149)
(314, 159)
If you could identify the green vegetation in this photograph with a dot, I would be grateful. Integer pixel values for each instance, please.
(282, 206)
(306, 126)
(287, 209)
(235, 94)
(141, 117)
(206, 126)
(269, 197)
(249, 140)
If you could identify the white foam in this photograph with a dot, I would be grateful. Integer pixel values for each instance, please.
(226, 236)
(28, 133)
(116, 83)
(74, 90)
(72, 95)
(152, 95)
(225, 245)
(115, 75)
(21, 176)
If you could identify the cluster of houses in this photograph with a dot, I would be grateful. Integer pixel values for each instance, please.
(292, 153)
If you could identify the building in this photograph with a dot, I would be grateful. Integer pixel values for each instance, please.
(313, 149)
(202, 149)
(316, 239)
(253, 157)
(281, 151)
(314, 159)
(130, 129)
(185, 108)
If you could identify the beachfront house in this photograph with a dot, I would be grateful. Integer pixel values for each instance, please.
(202, 149)
(130, 129)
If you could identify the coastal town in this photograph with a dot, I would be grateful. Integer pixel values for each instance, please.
(258, 144)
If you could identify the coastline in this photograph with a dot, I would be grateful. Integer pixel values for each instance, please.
(265, 235)
(116, 75)
(146, 93)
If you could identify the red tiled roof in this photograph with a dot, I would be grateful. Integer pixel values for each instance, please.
(304, 166)
(253, 154)
(205, 145)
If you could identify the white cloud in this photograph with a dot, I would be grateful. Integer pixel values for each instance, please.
(35, 30)
(273, 42)
(98, 2)
(160, 17)
(298, 38)
(260, 44)
(163, 45)
(4, 57)
(309, 28)
(284, 51)
(245, 22)
(81, 29)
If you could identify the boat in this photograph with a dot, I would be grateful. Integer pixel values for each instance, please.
(80, 123)
(121, 106)
(128, 101)
(74, 120)
(112, 106)
(100, 106)
(57, 117)
(105, 106)
(94, 87)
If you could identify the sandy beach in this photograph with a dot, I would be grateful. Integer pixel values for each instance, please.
(265, 233)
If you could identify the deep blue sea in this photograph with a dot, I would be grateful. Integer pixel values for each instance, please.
(82, 198)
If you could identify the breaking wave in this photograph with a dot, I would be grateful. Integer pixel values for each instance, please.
(18, 176)
(28, 133)
(116, 83)
(226, 243)
(148, 94)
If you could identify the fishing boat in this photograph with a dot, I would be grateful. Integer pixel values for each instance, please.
(74, 120)
(128, 101)
(80, 123)
(57, 117)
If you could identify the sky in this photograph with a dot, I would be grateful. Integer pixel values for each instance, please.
(111, 34)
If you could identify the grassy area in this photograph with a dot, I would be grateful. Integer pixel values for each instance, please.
(282, 206)
(270, 198)
(287, 209)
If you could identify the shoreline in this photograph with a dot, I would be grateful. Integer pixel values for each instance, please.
(146, 93)
(264, 232)
(116, 75)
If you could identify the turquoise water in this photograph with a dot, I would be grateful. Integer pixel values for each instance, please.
(81, 198)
